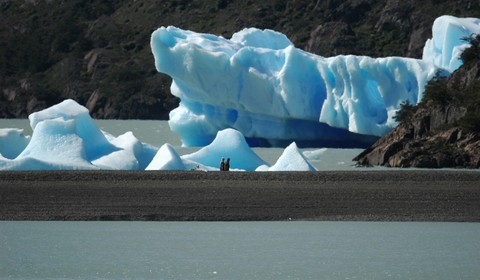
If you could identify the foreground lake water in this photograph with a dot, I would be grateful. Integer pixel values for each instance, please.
(239, 250)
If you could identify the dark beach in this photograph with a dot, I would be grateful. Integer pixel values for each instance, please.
(241, 196)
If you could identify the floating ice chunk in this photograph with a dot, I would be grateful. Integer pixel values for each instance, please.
(166, 159)
(229, 143)
(315, 154)
(446, 44)
(55, 145)
(263, 168)
(292, 159)
(136, 154)
(34, 164)
(12, 142)
(65, 137)
(125, 157)
(146, 156)
(96, 145)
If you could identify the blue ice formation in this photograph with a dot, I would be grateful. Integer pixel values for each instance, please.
(228, 143)
(292, 159)
(447, 44)
(166, 158)
(258, 83)
(13, 142)
(66, 138)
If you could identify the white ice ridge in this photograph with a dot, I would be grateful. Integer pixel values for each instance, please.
(260, 84)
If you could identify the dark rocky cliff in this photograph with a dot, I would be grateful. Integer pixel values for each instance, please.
(97, 52)
(443, 130)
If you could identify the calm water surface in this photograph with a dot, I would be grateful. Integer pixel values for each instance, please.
(239, 250)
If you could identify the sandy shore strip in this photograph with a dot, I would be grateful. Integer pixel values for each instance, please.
(240, 196)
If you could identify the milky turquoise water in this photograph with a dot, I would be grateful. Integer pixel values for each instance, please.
(239, 250)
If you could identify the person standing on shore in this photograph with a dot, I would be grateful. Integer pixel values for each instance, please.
(222, 164)
(227, 165)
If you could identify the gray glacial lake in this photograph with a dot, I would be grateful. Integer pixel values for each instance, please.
(239, 250)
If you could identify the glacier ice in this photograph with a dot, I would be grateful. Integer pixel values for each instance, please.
(130, 154)
(291, 159)
(55, 140)
(96, 145)
(446, 45)
(12, 142)
(275, 96)
(228, 143)
(258, 83)
(166, 159)
(66, 138)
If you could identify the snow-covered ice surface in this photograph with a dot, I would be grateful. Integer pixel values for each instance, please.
(260, 84)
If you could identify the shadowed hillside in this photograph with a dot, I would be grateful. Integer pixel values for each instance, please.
(98, 53)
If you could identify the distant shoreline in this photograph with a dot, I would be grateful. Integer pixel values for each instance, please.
(410, 195)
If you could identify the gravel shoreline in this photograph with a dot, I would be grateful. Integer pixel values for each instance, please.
(433, 195)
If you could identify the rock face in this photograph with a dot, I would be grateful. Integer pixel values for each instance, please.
(97, 52)
(438, 133)
(417, 145)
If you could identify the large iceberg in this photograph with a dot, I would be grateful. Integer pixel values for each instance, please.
(260, 84)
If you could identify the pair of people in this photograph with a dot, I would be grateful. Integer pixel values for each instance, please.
(225, 165)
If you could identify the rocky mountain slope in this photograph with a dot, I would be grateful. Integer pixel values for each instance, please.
(443, 130)
(97, 52)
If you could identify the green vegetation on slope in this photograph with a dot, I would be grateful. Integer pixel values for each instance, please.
(461, 89)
